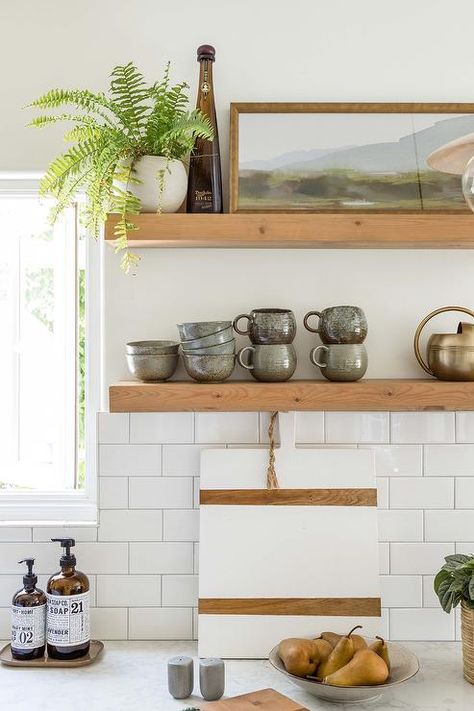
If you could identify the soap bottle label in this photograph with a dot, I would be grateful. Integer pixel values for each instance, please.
(67, 619)
(28, 627)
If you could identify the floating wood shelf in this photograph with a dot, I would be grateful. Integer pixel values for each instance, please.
(248, 396)
(309, 230)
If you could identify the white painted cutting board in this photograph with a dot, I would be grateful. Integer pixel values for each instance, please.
(289, 562)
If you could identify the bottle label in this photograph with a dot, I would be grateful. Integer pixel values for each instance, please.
(28, 627)
(67, 620)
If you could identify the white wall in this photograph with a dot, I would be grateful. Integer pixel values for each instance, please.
(311, 50)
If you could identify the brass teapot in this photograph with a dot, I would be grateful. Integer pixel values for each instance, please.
(450, 356)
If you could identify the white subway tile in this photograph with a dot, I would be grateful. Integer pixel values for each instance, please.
(384, 558)
(129, 459)
(127, 525)
(421, 624)
(181, 525)
(415, 427)
(347, 427)
(457, 623)
(5, 622)
(109, 623)
(449, 460)
(180, 590)
(79, 533)
(114, 427)
(102, 558)
(184, 459)
(149, 558)
(196, 558)
(401, 590)
(15, 534)
(430, 599)
(465, 492)
(160, 427)
(161, 623)
(382, 493)
(418, 558)
(385, 623)
(227, 427)
(113, 492)
(467, 548)
(196, 491)
(449, 525)
(9, 584)
(464, 426)
(395, 525)
(309, 427)
(421, 493)
(46, 557)
(128, 590)
(161, 492)
(397, 460)
(195, 624)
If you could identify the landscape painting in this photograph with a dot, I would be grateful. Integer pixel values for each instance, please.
(336, 161)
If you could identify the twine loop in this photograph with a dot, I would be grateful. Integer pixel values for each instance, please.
(272, 478)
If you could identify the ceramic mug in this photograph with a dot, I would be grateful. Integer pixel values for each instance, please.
(269, 363)
(267, 326)
(339, 324)
(341, 361)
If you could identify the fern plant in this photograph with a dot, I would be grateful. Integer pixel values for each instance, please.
(108, 133)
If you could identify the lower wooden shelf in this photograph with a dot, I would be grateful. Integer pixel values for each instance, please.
(249, 396)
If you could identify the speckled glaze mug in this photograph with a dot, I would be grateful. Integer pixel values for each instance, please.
(268, 326)
(341, 361)
(339, 324)
(269, 363)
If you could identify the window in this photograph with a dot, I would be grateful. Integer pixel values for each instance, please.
(44, 434)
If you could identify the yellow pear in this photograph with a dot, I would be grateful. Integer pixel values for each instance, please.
(365, 668)
(302, 656)
(339, 657)
(333, 638)
(380, 647)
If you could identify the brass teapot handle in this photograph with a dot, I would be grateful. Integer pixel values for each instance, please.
(416, 340)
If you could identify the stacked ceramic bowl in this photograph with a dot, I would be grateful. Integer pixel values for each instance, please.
(152, 361)
(208, 349)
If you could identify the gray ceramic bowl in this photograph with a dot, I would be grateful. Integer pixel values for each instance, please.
(152, 368)
(152, 347)
(404, 665)
(222, 349)
(209, 368)
(215, 339)
(199, 329)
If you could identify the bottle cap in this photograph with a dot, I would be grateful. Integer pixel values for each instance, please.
(30, 579)
(68, 558)
(206, 51)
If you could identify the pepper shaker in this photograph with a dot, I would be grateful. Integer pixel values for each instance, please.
(180, 677)
(211, 678)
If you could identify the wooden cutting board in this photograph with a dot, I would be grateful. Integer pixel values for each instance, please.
(264, 700)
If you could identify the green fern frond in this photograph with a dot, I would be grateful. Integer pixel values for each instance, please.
(130, 92)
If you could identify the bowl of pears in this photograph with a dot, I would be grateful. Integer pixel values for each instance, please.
(344, 668)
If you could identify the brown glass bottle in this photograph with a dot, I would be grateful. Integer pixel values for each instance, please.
(67, 621)
(205, 179)
(28, 618)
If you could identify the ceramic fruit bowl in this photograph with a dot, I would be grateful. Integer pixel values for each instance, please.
(404, 665)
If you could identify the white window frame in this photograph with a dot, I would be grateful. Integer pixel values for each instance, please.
(69, 508)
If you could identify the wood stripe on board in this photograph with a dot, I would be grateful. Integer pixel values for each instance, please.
(317, 606)
(289, 497)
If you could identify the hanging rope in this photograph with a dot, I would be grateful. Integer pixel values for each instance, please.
(272, 479)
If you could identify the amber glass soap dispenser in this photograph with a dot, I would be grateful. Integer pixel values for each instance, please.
(28, 617)
(67, 617)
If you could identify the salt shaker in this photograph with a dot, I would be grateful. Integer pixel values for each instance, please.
(211, 678)
(180, 677)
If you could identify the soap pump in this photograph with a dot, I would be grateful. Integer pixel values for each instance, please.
(28, 617)
(67, 626)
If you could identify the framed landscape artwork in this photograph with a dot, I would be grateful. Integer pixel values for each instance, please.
(317, 157)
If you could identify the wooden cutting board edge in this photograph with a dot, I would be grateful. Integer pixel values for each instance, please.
(264, 699)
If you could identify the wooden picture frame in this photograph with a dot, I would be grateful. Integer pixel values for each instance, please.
(434, 191)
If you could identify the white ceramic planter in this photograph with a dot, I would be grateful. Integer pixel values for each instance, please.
(147, 170)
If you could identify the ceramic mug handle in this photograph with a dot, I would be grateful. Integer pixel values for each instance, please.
(249, 365)
(306, 319)
(314, 360)
(236, 321)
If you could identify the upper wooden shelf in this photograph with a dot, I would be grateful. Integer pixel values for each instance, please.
(309, 230)
(251, 396)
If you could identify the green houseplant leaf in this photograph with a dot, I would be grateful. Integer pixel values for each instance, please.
(108, 134)
(454, 583)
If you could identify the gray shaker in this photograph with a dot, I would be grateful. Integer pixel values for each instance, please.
(180, 677)
(211, 678)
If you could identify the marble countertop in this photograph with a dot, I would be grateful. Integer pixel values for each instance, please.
(132, 675)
